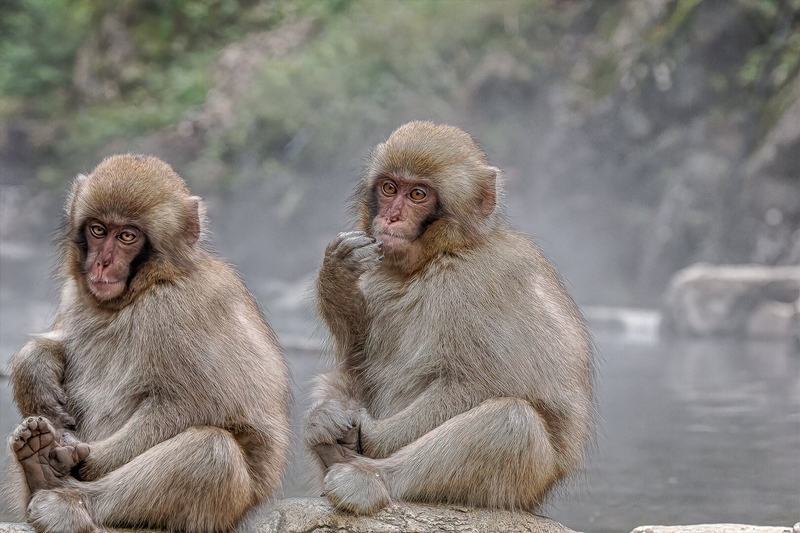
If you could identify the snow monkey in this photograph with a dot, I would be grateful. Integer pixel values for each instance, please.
(464, 371)
(159, 398)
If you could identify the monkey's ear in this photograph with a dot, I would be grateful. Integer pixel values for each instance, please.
(192, 220)
(489, 192)
(74, 192)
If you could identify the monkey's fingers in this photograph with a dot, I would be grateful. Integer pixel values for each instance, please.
(336, 243)
(370, 252)
(328, 422)
(82, 451)
(351, 241)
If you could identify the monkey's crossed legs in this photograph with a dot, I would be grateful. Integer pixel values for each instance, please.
(475, 458)
(206, 460)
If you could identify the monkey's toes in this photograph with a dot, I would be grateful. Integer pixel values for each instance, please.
(31, 436)
(356, 487)
(33, 442)
(63, 458)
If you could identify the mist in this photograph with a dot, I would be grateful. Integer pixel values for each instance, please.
(636, 138)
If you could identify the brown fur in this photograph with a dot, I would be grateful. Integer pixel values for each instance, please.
(178, 385)
(467, 368)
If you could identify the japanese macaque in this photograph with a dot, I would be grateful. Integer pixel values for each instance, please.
(160, 396)
(464, 371)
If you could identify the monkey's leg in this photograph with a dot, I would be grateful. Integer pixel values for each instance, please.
(498, 455)
(197, 481)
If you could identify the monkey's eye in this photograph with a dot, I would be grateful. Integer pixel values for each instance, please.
(389, 188)
(126, 236)
(417, 194)
(98, 230)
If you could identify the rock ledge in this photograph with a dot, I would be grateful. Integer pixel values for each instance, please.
(315, 515)
(307, 515)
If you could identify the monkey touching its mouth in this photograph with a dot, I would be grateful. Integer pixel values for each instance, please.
(464, 371)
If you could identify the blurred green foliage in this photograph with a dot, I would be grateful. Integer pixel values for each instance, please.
(375, 63)
(110, 71)
(38, 42)
(368, 62)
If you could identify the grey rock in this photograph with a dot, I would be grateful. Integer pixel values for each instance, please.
(748, 300)
(307, 515)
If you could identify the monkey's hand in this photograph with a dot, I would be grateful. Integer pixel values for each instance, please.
(351, 252)
(37, 372)
(332, 433)
(52, 402)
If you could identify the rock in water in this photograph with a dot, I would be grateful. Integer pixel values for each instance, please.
(747, 300)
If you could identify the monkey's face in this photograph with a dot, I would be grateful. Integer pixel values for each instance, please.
(112, 247)
(405, 209)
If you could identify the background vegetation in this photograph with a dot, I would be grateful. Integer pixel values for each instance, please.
(637, 136)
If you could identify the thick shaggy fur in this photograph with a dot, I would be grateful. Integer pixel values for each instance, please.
(466, 366)
(178, 386)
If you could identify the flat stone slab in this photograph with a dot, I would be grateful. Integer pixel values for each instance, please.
(315, 515)
(716, 528)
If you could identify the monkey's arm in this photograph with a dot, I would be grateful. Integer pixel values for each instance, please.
(437, 404)
(37, 373)
(339, 299)
(331, 425)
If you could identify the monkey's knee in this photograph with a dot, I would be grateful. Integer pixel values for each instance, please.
(60, 511)
(196, 481)
(524, 454)
(520, 431)
(215, 465)
(357, 487)
(497, 455)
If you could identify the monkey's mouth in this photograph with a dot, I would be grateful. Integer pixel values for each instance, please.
(105, 289)
(391, 236)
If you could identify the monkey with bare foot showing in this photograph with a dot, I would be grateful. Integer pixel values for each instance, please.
(160, 396)
(464, 371)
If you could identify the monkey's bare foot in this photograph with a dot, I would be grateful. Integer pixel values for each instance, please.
(357, 487)
(342, 451)
(45, 462)
(60, 511)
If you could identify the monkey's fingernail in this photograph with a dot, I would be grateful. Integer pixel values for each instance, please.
(374, 239)
(380, 258)
(380, 244)
(349, 426)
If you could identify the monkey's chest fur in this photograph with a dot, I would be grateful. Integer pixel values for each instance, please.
(425, 333)
(453, 324)
(103, 378)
